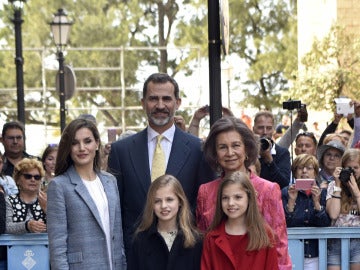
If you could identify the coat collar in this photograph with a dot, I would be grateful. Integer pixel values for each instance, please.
(84, 194)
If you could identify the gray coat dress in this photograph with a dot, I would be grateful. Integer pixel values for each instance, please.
(76, 236)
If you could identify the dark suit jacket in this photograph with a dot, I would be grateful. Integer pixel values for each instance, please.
(129, 162)
(279, 170)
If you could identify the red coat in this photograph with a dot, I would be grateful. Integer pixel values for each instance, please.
(270, 206)
(217, 254)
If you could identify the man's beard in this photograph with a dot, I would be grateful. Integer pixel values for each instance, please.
(162, 121)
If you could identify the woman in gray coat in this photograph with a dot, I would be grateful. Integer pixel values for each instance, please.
(83, 209)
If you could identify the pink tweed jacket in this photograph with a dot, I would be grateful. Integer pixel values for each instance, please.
(270, 205)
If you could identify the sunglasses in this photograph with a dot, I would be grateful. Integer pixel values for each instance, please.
(306, 134)
(28, 176)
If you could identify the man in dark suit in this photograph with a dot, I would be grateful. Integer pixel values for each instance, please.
(130, 159)
(274, 159)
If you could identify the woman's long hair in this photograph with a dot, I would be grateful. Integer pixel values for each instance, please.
(346, 197)
(257, 229)
(184, 216)
(63, 159)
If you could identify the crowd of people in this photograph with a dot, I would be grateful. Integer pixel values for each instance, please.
(163, 198)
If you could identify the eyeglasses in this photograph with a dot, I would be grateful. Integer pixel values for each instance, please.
(308, 168)
(28, 176)
(306, 134)
(13, 138)
(335, 156)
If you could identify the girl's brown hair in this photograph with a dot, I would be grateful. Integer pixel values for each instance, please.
(257, 229)
(184, 216)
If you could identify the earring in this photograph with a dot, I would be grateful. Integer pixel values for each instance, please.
(246, 157)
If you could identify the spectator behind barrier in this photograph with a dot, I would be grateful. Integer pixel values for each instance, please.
(329, 157)
(7, 182)
(274, 159)
(25, 211)
(305, 207)
(343, 206)
(48, 159)
(13, 139)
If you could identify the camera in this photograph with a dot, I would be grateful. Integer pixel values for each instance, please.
(265, 143)
(303, 113)
(345, 174)
(292, 104)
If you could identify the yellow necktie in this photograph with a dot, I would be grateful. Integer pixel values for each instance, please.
(158, 162)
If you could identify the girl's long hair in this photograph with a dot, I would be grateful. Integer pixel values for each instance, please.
(184, 216)
(259, 233)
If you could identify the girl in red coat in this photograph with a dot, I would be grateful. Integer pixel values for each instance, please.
(238, 238)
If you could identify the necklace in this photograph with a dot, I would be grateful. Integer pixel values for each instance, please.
(169, 237)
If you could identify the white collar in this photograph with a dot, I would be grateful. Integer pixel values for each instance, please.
(168, 134)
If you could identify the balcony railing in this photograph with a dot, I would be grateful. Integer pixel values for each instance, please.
(30, 251)
(296, 244)
(26, 251)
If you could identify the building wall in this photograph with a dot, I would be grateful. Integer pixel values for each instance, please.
(315, 18)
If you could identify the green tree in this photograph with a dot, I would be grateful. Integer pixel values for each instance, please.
(97, 24)
(263, 34)
(330, 70)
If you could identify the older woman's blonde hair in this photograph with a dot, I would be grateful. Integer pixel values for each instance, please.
(25, 165)
(304, 160)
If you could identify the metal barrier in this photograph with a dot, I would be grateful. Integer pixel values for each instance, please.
(26, 251)
(296, 243)
(30, 251)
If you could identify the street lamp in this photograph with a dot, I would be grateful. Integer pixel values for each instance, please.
(60, 28)
(227, 73)
(19, 61)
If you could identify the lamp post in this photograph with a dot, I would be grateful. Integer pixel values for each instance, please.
(60, 28)
(19, 61)
(227, 73)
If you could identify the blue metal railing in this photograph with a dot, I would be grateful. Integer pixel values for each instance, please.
(30, 251)
(26, 251)
(296, 243)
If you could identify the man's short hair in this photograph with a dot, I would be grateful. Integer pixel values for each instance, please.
(13, 125)
(267, 114)
(161, 78)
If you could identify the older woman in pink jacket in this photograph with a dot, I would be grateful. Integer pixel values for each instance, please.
(231, 146)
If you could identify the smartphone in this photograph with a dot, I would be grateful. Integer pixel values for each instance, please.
(304, 184)
(111, 135)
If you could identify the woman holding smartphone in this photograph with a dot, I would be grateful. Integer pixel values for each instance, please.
(304, 206)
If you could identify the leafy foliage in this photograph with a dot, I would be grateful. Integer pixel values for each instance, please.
(331, 69)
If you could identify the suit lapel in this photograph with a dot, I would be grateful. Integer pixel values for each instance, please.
(179, 153)
(111, 198)
(84, 194)
(139, 155)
